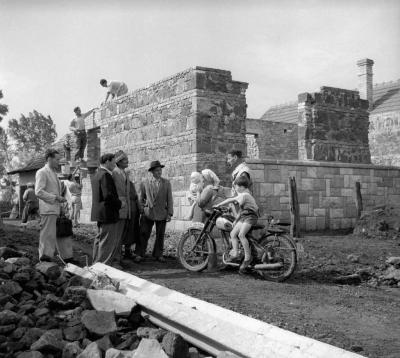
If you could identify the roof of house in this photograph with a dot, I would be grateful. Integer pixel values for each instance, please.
(386, 97)
(286, 113)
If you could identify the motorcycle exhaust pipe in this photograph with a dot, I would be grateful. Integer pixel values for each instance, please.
(276, 265)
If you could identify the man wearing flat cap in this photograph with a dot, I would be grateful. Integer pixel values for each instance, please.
(156, 201)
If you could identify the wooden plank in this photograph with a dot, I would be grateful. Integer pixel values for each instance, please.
(217, 327)
(294, 208)
(359, 203)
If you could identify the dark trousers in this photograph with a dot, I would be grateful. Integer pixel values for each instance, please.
(146, 225)
(29, 209)
(81, 141)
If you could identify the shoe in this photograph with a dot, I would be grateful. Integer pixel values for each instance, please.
(245, 265)
(138, 259)
(233, 259)
(160, 259)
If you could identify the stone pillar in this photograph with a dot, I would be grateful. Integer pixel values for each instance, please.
(365, 84)
(304, 113)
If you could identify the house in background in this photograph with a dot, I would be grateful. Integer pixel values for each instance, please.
(275, 133)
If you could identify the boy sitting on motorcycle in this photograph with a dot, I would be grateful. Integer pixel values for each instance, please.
(246, 218)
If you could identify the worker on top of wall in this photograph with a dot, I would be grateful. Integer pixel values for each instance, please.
(114, 88)
(77, 126)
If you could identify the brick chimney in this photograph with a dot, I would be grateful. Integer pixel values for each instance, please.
(365, 85)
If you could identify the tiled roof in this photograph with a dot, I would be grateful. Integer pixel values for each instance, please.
(285, 113)
(386, 97)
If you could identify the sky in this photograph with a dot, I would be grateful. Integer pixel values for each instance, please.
(53, 53)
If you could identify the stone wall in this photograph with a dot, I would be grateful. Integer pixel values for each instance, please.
(325, 190)
(268, 139)
(384, 138)
(333, 126)
(187, 121)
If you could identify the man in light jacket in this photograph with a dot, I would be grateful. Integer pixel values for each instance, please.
(48, 191)
(156, 201)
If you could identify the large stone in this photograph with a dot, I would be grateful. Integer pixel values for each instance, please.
(50, 269)
(151, 333)
(175, 346)
(105, 300)
(18, 333)
(99, 322)
(19, 261)
(21, 277)
(74, 333)
(7, 252)
(91, 351)
(392, 273)
(8, 317)
(8, 268)
(104, 343)
(76, 294)
(50, 341)
(10, 288)
(7, 328)
(116, 353)
(31, 336)
(41, 312)
(30, 354)
(149, 348)
(71, 350)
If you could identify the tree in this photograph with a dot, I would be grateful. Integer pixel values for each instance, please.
(32, 133)
(3, 107)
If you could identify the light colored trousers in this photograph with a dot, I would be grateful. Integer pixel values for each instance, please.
(48, 242)
(108, 242)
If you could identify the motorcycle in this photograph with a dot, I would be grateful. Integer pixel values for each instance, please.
(275, 254)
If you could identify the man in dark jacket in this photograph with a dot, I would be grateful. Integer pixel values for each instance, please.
(156, 201)
(105, 210)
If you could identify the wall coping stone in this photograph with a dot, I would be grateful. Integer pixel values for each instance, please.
(320, 164)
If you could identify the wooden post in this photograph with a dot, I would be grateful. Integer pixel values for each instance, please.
(294, 208)
(359, 203)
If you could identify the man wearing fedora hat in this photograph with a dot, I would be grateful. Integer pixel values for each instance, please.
(157, 208)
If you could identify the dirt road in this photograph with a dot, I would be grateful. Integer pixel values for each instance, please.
(361, 318)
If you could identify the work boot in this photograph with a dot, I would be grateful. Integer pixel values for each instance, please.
(245, 265)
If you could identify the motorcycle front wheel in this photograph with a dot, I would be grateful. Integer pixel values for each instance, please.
(193, 251)
(282, 250)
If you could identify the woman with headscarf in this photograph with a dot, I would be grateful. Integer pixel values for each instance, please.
(212, 194)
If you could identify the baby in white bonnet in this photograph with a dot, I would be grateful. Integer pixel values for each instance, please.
(196, 187)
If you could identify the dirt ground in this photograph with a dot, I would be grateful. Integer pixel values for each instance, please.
(362, 318)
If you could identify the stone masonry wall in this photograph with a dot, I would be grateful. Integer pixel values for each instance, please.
(384, 138)
(187, 121)
(325, 190)
(333, 126)
(275, 140)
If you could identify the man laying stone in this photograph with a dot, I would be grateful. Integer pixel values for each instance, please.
(114, 88)
(77, 126)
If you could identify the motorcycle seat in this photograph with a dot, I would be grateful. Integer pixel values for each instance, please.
(275, 230)
(257, 227)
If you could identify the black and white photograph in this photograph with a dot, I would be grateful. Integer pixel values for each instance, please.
(199, 179)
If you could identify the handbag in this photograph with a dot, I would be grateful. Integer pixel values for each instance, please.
(63, 227)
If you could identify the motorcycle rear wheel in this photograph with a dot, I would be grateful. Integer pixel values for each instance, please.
(194, 258)
(283, 250)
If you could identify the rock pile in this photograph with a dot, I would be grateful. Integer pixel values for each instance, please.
(391, 275)
(47, 313)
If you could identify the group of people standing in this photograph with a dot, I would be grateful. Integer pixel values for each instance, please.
(124, 218)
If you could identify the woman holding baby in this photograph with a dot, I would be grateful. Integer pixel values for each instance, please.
(204, 193)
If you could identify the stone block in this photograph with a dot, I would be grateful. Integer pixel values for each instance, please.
(346, 223)
(332, 202)
(344, 171)
(257, 175)
(337, 181)
(273, 176)
(306, 184)
(334, 224)
(266, 189)
(284, 200)
(320, 212)
(311, 172)
(304, 209)
(321, 223)
(311, 223)
(347, 192)
(279, 189)
(336, 213)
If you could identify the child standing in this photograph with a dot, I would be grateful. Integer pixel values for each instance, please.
(246, 218)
